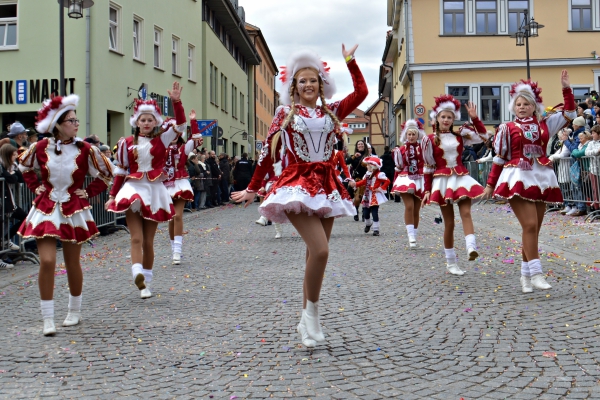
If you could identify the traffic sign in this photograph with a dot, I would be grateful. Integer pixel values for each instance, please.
(420, 110)
(259, 145)
(206, 126)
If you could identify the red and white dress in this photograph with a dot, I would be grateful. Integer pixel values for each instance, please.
(57, 211)
(139, 173)
(521, 167)
(339, 163)
(409, 160)
(308, 182)
(177, 182)
(375, 183)
(445, 176)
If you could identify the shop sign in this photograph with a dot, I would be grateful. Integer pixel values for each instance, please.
(32, 91)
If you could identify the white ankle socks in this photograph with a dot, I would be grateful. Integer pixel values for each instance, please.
(376, 226)
(136, 269)
(450, 256)
(75, 302)
(177, 244)
(368, 221)
(535, 267)
(470, 239)
(525, 269)
(410, 230)
(47, 307)
(147, 275)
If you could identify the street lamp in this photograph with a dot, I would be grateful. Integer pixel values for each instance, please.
(528, 28)
(75, 8)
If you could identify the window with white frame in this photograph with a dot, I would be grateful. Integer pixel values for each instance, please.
(516, 14)
(114, 27)
(491, 104)
(157, 47)
(242, 103)
(223, 93)
(191, 69)
(581, 15)
(486, 16)
(138, 37)
(8, 26)
(234, 101)
(454, 17)
(581, 93)
(461, 93)
(175, 55)
(213, 88)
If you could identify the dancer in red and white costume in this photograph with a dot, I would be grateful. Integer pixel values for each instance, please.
(375, 183)
(138, 189)
(268, 181)
(409, 181)
(61, 209)
(522, 174)
(447, 181)
(177, 182)
(339, 155)
(308, 194)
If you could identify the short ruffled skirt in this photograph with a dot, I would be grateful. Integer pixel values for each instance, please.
(537, 184)
(454, 188)
(370, 202)
(180, 189)
(311, 188)
(78, 228)
(150, 199)
(403, 184)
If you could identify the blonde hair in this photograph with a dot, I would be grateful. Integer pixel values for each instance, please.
(292, 111)
(586, 134)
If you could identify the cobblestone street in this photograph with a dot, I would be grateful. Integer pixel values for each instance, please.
(222, 324)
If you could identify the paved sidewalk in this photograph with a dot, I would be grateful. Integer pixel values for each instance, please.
(222, 324)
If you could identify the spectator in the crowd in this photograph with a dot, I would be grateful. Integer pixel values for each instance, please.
(578, 127)
(207, 179)
(225, 174)
(387, 166)
(581, 107)
(215, 173)
(589, 119)
(578, 186)
(32, 136)
(196, 177)
(489, 153)
(11, 174)
(94, 140)
(591, 103)
(593, 151)
(17, 135)
(242, 173)
(106, 151)
(564, 178)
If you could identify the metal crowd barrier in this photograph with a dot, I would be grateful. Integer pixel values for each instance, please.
(24, 199)
(586, 190)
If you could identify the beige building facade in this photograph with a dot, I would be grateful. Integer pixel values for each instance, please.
(465, 48)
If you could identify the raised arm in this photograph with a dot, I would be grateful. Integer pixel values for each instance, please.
(344, 107)
(557, 121)
(480, 135)
(180, 120)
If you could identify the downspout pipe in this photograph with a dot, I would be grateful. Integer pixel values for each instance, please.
(407, 33)
(88, 107)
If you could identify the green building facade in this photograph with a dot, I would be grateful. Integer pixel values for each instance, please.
(124, 49)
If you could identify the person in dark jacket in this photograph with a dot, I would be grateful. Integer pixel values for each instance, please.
(388, 166)
(361, 150)
(242, 173)
(196, 175)
(12, 176)
(215, 173)
(225, 173)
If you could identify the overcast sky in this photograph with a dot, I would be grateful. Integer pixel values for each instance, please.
(323, 25)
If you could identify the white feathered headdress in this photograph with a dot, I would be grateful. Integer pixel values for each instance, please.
(53, 108)
(145, 107)
(412, 124)
(297, 61)
(526, 87)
